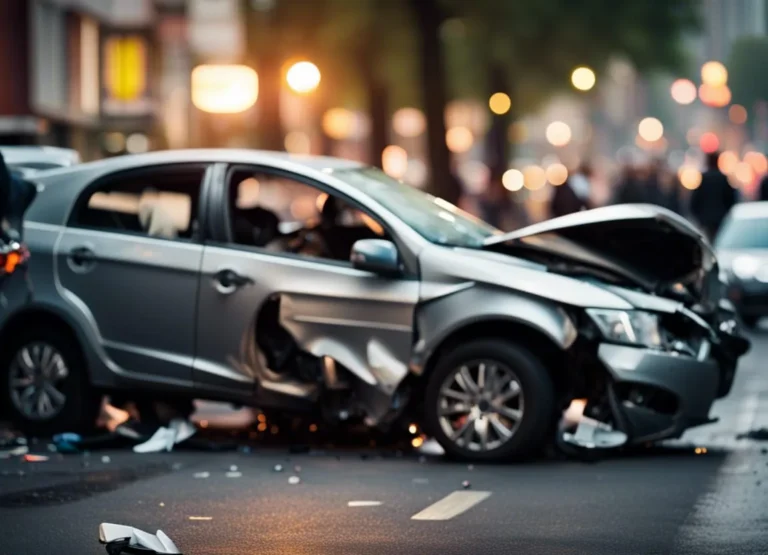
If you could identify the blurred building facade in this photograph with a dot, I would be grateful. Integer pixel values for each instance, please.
(79, 73)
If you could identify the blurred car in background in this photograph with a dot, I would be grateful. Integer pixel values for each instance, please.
(742, 251)
(25, 160)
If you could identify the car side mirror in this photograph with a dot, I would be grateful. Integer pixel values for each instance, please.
(376, 255)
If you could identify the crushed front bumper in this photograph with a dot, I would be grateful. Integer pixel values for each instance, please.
(658, 395)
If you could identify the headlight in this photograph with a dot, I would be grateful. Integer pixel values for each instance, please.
(745, 267)
(628, 326)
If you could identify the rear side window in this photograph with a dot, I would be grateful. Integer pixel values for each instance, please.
(163, 204)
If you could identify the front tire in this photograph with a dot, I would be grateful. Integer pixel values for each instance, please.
(490, 400)
(44, 384)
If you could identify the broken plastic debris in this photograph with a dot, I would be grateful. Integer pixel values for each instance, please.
(127, 539)
(278, 468)
(363, 503)
(591, 434)
(34, 458)
(293, 480)
(161, 504)
(233, 468)
(201, 518)
(431, 447)
(466, 485)
(202, 474)
(231, 474)
(105, 459)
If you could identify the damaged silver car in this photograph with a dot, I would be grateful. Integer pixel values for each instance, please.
(322, 285)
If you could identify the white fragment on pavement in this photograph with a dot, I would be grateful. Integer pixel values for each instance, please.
(363, 503)
(162, 504)
(452, 505)
(165, 438)
(431, 447)
(233, 468)
(202, 474)
(234, 474)
(293, 480)
(158, 543)
(278, 468)
(201, 518)
(105, 459)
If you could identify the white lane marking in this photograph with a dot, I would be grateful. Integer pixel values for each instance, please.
(452, 505)
(363, 503)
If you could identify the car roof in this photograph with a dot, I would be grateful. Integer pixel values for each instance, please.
(19, 155)
(750, 210)
(227, 155)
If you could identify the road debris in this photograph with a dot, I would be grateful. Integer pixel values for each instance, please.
(278, 468)
(293, 480)
(201, 518)
(466, 485)
(201, 475)
(233, 468)
(105, 459)
(34, 458)
(164, 438)
(363, 503)
(119, 539)
(234, 474)
(297, 469)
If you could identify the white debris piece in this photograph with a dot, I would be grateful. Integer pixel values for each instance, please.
(293, 480)
(591, 434)
(117, 534)
(231, 474)
(363, 503)
(202, 474)
(165, 438)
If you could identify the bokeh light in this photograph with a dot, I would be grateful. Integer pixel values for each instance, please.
(394, 161)
(513, 180)
(727, 161)
(757, 160)
(416, 174)
(338, 123)
(714, 74)
(409, 122)
(459, 139)
(709, 142)
(534, 177)
(303, 77)
(715, 97)
(583, 78)
(737, 114)
(298, 142)
(558, 133)
(557, 174)
(500, 103)
(224, 89)
(683, 91)
(137, 143)
(744, 173)
(650, 129)
(690, 177)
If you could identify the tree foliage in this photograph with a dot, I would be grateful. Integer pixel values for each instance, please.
(746, 77)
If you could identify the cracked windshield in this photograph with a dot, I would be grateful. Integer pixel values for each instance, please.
(384, 277)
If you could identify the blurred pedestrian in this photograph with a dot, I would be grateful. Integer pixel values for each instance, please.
(762, 194)
(632, 185)
(664, 187)
(713, 199)
(573, 195)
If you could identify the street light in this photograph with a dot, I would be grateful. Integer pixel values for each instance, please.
(303, 77)
(651, 130)
(583, 78)
(714, 74)
(683, 91)
(224, 89)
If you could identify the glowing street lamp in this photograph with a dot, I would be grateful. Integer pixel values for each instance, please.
(303, 77)
(583, 78)
(683, 91)
(714, 74)
(224, 89)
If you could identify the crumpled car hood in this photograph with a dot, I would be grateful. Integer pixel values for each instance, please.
(639, 244)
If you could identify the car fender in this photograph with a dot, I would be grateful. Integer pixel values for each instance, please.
(438, 318)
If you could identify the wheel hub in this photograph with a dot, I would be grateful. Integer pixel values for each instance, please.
(34, 381)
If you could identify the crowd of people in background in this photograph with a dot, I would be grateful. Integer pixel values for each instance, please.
(657, 183)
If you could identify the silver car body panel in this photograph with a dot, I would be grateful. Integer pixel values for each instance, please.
(148, 311)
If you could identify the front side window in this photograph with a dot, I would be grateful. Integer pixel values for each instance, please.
(161, 204)
(433, 218)
(743, 233)
(281, 214)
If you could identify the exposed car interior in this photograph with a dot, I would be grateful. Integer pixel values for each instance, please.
(163, 205)
(283, 215)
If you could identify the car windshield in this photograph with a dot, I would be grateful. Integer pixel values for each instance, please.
(433, 218)
(743, 233)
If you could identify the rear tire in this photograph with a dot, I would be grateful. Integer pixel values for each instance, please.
(36, 359)
(533, 405)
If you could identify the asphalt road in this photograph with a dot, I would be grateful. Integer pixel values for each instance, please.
(663, 500)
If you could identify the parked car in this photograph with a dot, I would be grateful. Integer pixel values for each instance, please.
(742, 248)
(26, 160)
(318, 284)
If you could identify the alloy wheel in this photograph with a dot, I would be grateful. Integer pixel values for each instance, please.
(35, 378)
(480, 405)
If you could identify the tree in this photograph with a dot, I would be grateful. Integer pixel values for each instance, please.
(746, 78)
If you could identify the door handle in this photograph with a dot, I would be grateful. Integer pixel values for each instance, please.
(227, 281)
(81, 256)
